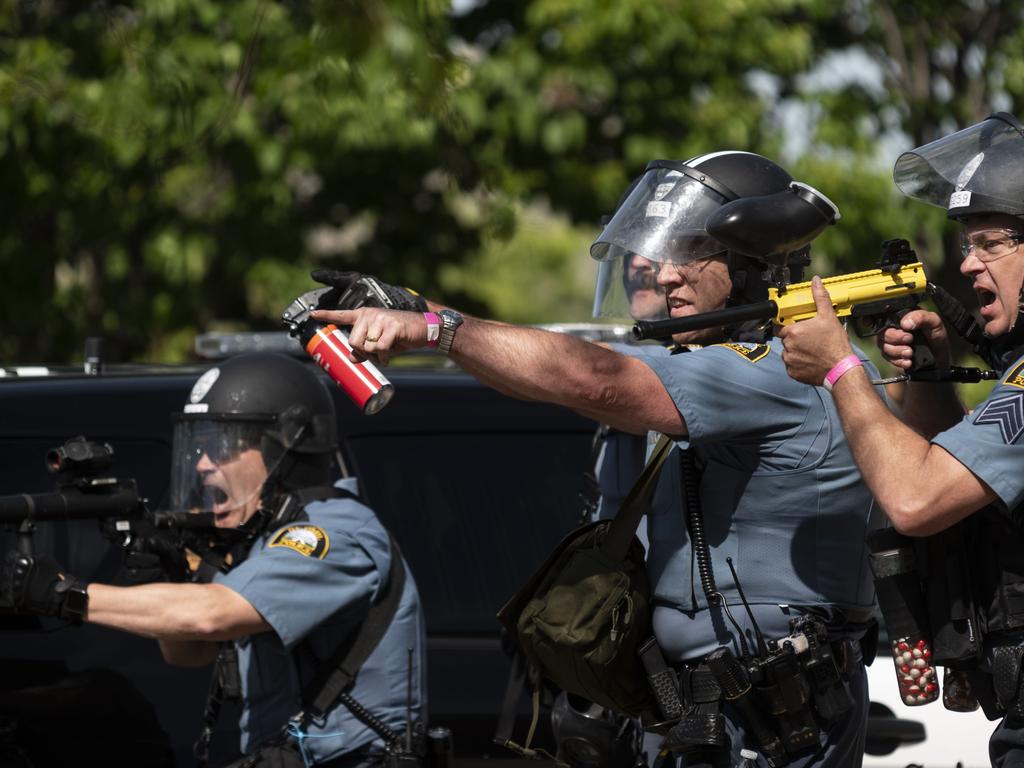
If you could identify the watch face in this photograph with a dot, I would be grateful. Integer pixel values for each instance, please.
(455, 317)
(77, 601)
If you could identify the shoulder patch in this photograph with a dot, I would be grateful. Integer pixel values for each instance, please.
(1015, 376)
(1008, 413)
(307, 540)
(751, 352)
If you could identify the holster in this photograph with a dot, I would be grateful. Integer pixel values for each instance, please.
(702, 723)
(894, 563)
(1006, 678)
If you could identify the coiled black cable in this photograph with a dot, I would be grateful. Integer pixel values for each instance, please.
(361, 713)
(695, 526)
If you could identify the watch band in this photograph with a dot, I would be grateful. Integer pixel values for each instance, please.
(450, 322)
(76, 600)
(433, 328)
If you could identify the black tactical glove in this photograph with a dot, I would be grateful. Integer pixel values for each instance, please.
(38, 584)
(354, 289)
(154, 558)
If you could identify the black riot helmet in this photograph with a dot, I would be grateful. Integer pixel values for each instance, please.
(978, 170)
(256, 401)
(665, 217)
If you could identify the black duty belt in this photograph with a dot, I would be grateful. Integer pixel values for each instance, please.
(698, 685)
(702, 696)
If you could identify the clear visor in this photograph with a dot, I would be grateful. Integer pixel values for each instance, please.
(662, 220)
(217, 467)
(935, 173)
(627, 290)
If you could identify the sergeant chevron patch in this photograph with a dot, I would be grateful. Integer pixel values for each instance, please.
(1008, 413)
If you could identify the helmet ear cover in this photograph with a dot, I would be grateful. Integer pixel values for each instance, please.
(773, 228)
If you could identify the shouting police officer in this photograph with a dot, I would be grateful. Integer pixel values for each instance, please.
(943, 467)
(305, 565)
(782, 501)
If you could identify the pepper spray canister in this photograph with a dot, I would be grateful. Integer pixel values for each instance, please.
(329, 346)
(901, 601)
(362, 382)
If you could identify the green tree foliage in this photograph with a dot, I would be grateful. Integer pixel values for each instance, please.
(172, 164)
(569, 99)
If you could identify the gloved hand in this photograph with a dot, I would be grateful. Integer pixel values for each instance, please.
(355, 289)
(37, 583)
(154, 558)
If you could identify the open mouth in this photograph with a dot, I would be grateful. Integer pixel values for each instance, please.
(678, 307)
(217, 498)
(985, 297)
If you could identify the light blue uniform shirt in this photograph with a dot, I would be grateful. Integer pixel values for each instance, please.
(313, 582)
(990, 441)
(781, 497)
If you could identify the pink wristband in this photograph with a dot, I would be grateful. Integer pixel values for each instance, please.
(848, 363)
(433, 328)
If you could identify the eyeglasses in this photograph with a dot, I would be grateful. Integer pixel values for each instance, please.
(990, 244)
(224, 448)
(219, 453)
(695, 266)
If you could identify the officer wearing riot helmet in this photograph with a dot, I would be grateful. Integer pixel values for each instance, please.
(946, 473)
(302, 563)
(782, 501)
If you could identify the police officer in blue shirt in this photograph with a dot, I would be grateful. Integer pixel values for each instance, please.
(782, 502)
(254, 447)
(944, 470)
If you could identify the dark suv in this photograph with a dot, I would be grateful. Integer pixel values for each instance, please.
(477, 487)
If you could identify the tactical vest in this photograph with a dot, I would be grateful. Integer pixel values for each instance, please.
(973, 577)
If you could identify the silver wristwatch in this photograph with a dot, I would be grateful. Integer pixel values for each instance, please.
(450, 322)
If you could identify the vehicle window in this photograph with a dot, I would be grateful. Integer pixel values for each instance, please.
(475, 515)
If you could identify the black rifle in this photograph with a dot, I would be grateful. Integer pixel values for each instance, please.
(85, 490)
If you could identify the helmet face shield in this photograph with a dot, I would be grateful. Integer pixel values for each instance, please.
(663, 218)
(974, 171)
(217, 467)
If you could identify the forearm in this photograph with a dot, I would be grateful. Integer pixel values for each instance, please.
(920, 487)
(527, 362)
(606, 386)
(553, 367)
(931, 408)
(522, 362)
(174, 612)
